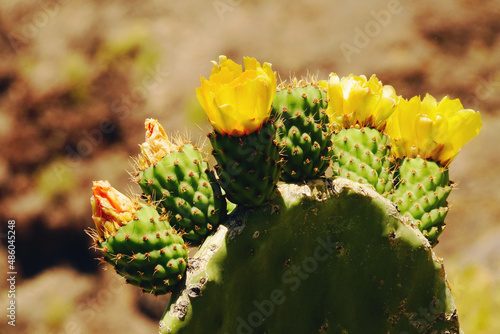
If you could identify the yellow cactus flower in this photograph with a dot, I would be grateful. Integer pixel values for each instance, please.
(110, 209)
(431, 130)
(156, 146)
(238, 102)
(356, 101)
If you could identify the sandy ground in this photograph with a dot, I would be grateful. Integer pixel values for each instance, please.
(78, 78)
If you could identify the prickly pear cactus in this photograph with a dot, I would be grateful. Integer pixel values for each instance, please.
(138, 242)
(425, 136)
(325, 257)
(244, 139)
(179, 180)
(303, 133)
(359, 109)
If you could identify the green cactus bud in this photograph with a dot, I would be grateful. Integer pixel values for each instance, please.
(362, 155)
(303, 133)
(422, 190)
(178, 178)
(248, 166)
(137, 241)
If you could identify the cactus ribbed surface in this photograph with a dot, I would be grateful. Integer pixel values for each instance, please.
(326, 257)
(362, 155)
(303, 132)
(183, 185)
(248, 167)
(422, 190)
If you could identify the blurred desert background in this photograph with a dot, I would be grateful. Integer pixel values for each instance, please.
(78, 78)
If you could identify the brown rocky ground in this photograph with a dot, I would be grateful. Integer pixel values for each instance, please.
(78, 78)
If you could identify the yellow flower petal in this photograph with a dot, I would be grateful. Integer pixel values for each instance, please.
(464, 126)
(238, 102)
(356, 101)
(431, 130)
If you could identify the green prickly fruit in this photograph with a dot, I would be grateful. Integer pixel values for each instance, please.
(178, 178)
(303, 133)
(421, 194)
(248, 167)
(137, 241)
(362, 155)
(325, 257)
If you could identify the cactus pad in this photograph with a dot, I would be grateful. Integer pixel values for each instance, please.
(326, 257)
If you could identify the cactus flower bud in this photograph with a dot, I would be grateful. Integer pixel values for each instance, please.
(110, 209)
(156, 146)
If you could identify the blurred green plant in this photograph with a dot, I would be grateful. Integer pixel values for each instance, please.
(76, 75)
(58, 310)
(55, 179)
(132, 48)
(195, 115)
(477, 295)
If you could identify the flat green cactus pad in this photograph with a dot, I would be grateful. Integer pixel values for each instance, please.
(325, 257)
